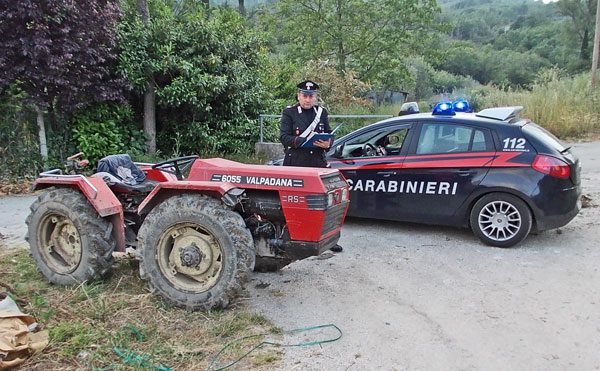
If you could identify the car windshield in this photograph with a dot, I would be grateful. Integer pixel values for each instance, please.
(543, 136)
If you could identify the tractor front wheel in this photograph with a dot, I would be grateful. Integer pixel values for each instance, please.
(195, 252)
(69, 241)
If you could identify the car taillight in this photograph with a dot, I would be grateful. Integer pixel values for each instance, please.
(551, 166)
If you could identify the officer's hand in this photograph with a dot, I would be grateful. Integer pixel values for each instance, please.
(325, 144)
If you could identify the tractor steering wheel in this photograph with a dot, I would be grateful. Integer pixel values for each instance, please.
(176, 165)
(369, 150)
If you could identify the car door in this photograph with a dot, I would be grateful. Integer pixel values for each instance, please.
(370, 163)
(446, 162)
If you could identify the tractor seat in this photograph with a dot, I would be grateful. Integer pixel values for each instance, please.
(118, 185)
(122, 175)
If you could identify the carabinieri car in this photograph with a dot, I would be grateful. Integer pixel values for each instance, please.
(492, 171)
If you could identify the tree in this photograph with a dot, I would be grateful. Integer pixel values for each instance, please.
(206, 67)
(60, 53)
(367, 36)
(582, 14)
(149, 88)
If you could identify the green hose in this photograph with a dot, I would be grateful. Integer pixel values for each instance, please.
(302, 344)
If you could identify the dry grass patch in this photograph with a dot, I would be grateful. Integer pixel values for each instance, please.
(117, 324)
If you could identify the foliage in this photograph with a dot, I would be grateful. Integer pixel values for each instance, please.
(527, 36)
(337, 91)
(486, 65)
(482, 21)
(107, 129)
(370, 37)
(206, 66)
(563, 105)
(582, 14)
(547, 40)
(59, 51)
(427, 81)
(19, 155)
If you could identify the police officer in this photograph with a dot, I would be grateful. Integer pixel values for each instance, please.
(298, 121)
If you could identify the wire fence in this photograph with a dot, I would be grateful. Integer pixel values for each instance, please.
(355, 121)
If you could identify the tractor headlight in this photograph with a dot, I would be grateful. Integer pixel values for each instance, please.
(329, 199)
(345, 194)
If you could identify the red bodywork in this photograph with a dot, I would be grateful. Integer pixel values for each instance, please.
(216, 177)
(98, 194)
(292, 197)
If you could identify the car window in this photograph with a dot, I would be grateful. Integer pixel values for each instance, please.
(543, 136)
(449, 138)
(386, 142)
(394, 140)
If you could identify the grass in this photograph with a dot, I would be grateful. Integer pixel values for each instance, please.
(566, 106)
(117, 324)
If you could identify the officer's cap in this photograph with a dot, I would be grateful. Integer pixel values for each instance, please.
(308, 87)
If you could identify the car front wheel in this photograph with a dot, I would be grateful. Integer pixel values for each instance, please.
(500, 219)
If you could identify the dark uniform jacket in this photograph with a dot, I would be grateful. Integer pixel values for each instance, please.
(294, 120)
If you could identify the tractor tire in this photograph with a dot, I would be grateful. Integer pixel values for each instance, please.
(195, 252)
(500, 219)
(69, 241)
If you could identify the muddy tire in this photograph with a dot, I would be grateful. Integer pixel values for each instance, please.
(69, 241)
(500, 219)
(195, 252)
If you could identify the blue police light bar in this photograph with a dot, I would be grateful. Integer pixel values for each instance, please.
(443, 108)
(461, 105)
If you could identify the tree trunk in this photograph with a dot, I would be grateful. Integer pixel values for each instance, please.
(584, 53)
(341, 52)
(42, 135)
(150, 118)
(206, 2)
(142, 7)
(242, 7)
(596, 48)
(150, 93)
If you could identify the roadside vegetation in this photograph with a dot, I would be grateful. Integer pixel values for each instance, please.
(118, 324)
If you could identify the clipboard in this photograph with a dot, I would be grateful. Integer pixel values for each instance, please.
(312, 137)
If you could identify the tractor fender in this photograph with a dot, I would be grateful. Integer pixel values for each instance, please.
(98, 194)
(227, 192)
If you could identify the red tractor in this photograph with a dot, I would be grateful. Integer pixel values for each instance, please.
(196, 237)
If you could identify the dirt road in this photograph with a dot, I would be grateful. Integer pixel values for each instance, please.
(431, 298)
(420, 297)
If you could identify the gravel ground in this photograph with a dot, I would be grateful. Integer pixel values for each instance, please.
(423, 297)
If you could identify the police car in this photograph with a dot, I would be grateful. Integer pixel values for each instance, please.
(500, 175)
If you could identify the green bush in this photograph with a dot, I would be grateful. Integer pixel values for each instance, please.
(106, 129)
(19, 150)
(207, 67)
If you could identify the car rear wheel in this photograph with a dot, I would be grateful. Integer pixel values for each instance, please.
(500, 219)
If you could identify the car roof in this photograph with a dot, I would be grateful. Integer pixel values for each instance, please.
(489, 118)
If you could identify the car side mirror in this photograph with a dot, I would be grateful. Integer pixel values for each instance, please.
(393, 139)
(338, 151)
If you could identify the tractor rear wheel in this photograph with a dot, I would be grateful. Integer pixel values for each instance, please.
(195, 252)
(69, 241)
